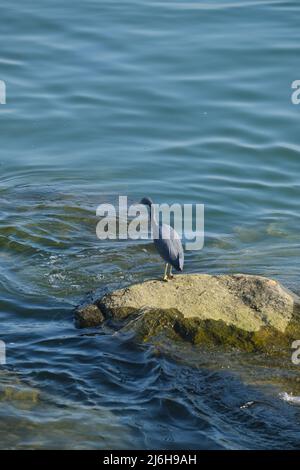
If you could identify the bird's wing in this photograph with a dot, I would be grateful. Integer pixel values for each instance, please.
(172, 243)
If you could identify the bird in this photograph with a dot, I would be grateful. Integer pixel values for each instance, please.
(167, 242)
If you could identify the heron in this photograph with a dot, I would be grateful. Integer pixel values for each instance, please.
(167, 242)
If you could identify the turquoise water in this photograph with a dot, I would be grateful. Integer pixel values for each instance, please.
(185, 102)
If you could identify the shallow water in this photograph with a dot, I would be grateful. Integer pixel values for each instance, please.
(181, 101)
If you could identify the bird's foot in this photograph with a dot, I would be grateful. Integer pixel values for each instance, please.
(165, 278)
(170, 276)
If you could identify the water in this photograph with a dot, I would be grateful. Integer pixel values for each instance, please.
(180, 101)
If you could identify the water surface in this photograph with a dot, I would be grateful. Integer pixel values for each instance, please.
(180, 101)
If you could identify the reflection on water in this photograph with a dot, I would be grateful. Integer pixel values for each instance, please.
(171, 100)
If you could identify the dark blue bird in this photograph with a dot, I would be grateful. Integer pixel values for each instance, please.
(167, 243)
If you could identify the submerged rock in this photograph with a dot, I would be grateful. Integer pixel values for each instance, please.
(12, 389)
(244, 311)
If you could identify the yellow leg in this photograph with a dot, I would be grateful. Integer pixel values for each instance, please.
(170, 273)
(165, 278)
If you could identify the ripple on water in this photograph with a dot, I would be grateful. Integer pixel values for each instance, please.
(169, 99)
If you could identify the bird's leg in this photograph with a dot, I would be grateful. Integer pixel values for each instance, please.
(165, 278)
(170, 273)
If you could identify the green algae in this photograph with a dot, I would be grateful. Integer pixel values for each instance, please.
(150, 324)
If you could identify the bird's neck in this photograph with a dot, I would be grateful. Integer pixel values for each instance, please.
(154, 223)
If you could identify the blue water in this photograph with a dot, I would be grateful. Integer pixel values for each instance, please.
(180, 101)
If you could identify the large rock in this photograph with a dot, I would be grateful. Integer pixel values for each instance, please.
(250, 312)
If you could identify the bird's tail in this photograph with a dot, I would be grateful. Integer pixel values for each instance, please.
(180, 264)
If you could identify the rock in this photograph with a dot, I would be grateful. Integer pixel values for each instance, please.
(12, 389)
(88, 316)
(244, 311)
(19, 393)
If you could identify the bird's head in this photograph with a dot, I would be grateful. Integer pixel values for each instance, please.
(146, 201)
